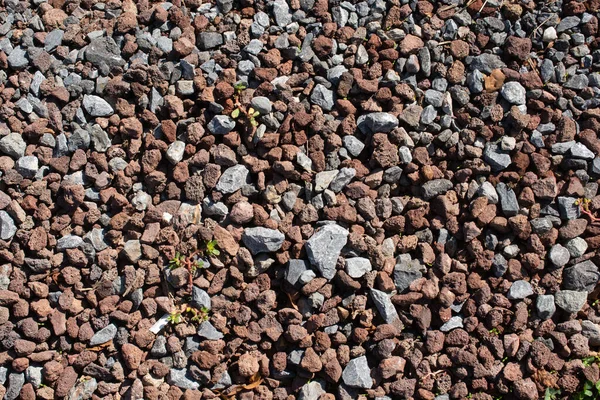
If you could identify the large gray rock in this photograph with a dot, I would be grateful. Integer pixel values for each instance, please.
(324, 248)
(322, 97)
(386, 308)
(582, 277)
(545, 306)
(200, 299)
(295, 269)
(405, 272)
(14, 385)
(508, 200)
(7, 226)
(453, 323)
(221, 124)
(311, 391)
(13, 145)
(591, 331)
(281, 12)
(262, 240)
(495, 157)
(104, 51)
(181, 379)
(435, 187)
(17, 59)
(357, 373)
(132, 250)
(209, 40)
(570, 300)
(104, 335)
(356, 267)
(380, 122)
(520, 290)
(232, 179)
(513, 92)
(96, 106)
(208, 331)
(27, 166)
(486, 62)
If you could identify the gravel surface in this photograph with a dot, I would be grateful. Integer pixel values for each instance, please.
(299, 199)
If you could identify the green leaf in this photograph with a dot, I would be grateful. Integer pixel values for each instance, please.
(235, 113)
(256, 114)
(254, 123)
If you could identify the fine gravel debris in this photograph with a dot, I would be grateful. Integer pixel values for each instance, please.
(299, 199)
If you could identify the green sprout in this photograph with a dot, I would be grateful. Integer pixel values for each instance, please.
(174, 318)
(212, 248)
(590, 391)
(551, 393)
(176, 261)
(239, 87)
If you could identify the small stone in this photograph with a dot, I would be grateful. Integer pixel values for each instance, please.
(13, 145)
(433, 188)
(508, 200)
(577, 82)
(311, 391)
(591, 331)
(571, 301)
(175, 152)
(104, 335)
(356, 267)
(17, 58)
(294, 270)
(324, 248)
(577, 247)
(27, 166)
(520, 290)
(567, 23)
(353, 145)
(380, 122)
(7, 226)
(221, 124)
(545, 306)
(322, 97)
(579, 150)
(282, 14)
(132, 250)
(559, 255)
(208, 331)
(261, 104)
(453, 323)
(549, 34)
(581, 277)
(97, 106)
(357, 373)
(343, 177)
(68, 242)
(209, 40)
(180, 378)
(232, 179)
(386, 308)
(200, 299)
(323, 179)
(13, 386)
(513, 92)
(494, 156)
(262, 240)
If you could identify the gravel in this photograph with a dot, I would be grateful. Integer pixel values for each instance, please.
(408, 211)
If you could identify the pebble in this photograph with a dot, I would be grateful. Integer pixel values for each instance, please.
(570, 301)
(324, 248)
(97, 106)
(520, 290)
(262, 240)
(357, 373)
